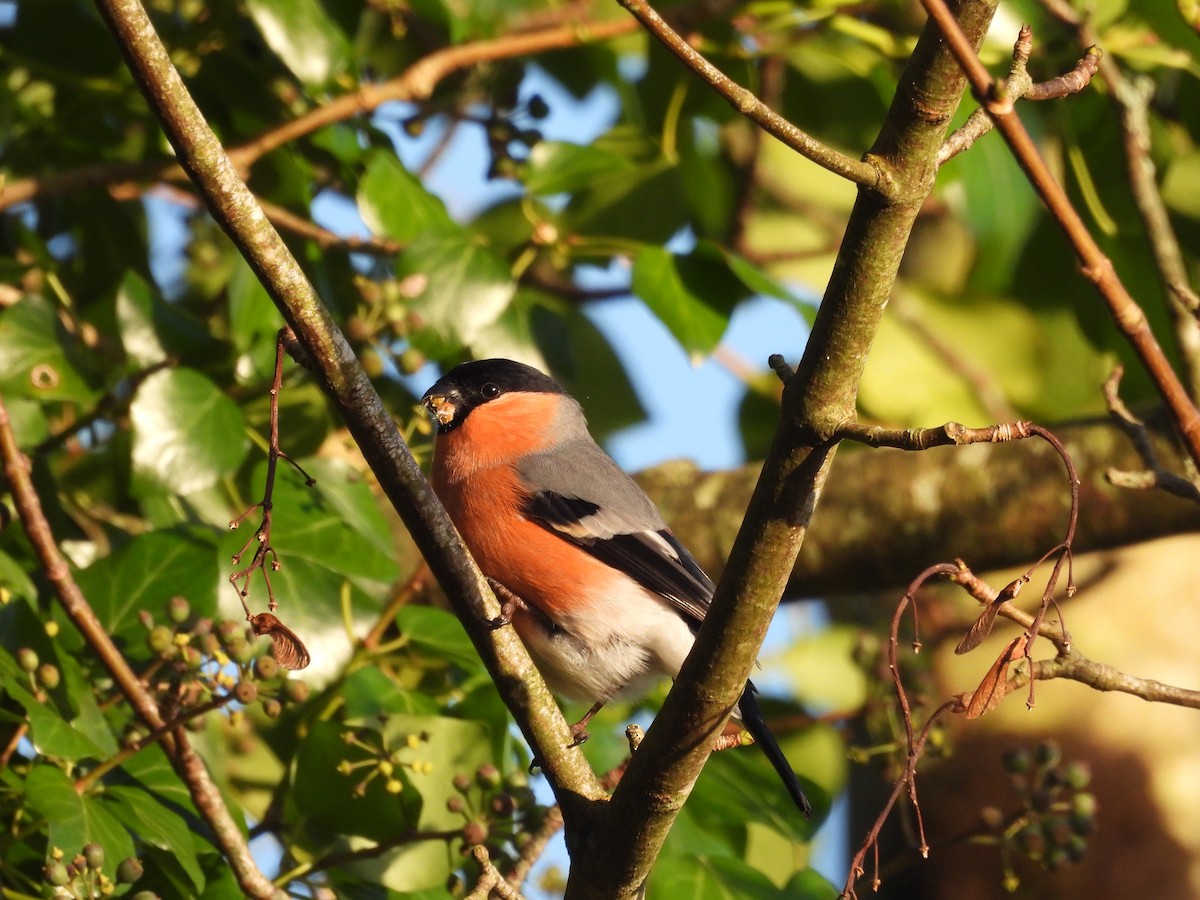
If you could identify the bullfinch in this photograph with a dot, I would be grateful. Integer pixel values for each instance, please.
(604, 596)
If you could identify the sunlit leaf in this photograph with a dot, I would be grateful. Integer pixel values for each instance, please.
(186, 432)
(394, 203)
(304, 37)
(36, 359)
(52, 735)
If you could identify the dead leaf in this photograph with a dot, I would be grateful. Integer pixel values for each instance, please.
(995, 683)
(289, 651)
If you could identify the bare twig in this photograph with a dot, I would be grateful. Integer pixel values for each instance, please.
(187, 763)
(261, 538)
(415, 83)
(1096, 267)
(746, 103)
(1022, 87)
(1156, 475)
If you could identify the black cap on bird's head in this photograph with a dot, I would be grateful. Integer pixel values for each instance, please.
(472, 384)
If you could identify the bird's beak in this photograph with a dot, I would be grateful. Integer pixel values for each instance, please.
(442, 407)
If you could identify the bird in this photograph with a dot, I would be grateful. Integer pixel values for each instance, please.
(603, 595)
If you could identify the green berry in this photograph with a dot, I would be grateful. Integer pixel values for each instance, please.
(49, 676)
(272, 708)
(160, 639)
(1047, 754)
(475, 833)
(178, 610)
(487, 776)
(245, 692)
(454, 804)
(129, 870)
(93, 855)
(296, 690)
(265, 668)
(56, 874)
(538, 107)
(1077, 775)
(462, 782)
(27, 659)
(1016, 760)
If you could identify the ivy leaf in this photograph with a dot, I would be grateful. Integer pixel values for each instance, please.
(304, 36)
(394, 203)
(34, 355)
(157, 825)
(186, 433)
(693, 294)
(52, 735)
(148, 571)
(558, 167)
(469, 287)
(75, 819)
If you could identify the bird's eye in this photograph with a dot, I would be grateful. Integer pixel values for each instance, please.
(490, 391)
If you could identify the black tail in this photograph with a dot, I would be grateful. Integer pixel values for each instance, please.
(753, 720)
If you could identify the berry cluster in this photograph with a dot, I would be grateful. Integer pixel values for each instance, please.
(82, 876)
(1058, 814)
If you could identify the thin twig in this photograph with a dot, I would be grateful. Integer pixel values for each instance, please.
(746, 103)
(1155, 475)
(490, 882)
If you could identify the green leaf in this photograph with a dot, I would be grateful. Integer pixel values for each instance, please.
(710, 878)
(469, 287)
(157, 825)
(645, 204)
(74, 819)
(254, 323)
(147, 572)
(34, 361)
(326, 798)
(693, 295)
(52, 735)
(135, 320)
(186, 433)
(151, 769)
(304, 37)
(370, 692)
(437, 630)
(451, 746)
(394, 203)
(557, 167)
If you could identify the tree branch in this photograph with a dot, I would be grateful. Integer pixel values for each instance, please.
(416, 83)
(745, 102)
(817, 400)
(331, 359)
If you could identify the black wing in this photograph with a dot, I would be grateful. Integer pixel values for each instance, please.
(652, 557)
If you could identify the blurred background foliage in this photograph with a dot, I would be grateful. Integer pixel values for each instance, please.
(488, 208)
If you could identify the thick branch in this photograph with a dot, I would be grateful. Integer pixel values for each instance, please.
(884, 512)
(817, 400)
(235, 209)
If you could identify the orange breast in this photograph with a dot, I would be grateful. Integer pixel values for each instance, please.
(540, 567)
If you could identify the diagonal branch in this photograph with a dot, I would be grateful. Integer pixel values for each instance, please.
(333, 362)
(818, 398)
(745, 102)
